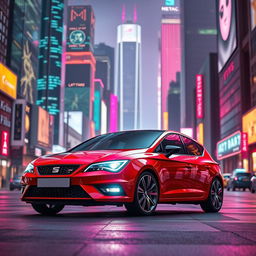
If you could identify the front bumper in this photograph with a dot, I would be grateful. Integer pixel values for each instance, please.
(85, 188)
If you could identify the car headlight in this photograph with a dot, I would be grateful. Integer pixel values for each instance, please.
(29, 168)
(110, 166)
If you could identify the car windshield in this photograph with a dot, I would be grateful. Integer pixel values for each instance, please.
(119, 140)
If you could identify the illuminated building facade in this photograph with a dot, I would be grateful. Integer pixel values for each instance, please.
(80, 65)
(5, 13)
(207, 104)
(236, 63)
(26, 19)
(50, 52)
(170, 57)
(128, 79)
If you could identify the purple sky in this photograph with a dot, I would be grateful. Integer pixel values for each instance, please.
(108, 17)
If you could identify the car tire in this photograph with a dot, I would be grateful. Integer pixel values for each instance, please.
(228, 188)
(215, 198)
(145, 197)
(253, 190)
(244, 189)
(48, 209)
(11, 188)
(233, 188)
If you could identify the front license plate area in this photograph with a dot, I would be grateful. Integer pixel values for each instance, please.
(53, 182)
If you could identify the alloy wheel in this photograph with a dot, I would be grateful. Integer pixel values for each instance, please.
(147, 193)
(217, 194)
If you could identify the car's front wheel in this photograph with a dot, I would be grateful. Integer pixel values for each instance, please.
(145, 197)
(48, 209)
(215, 198)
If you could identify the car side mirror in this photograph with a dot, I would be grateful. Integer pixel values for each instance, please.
(171, 149)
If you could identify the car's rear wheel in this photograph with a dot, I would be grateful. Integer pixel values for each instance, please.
(145, 197)
(252, 190)
(215, 198)
(48, 209)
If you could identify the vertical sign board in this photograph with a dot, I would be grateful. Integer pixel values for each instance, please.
(244, 145)
(199, 97)
(113, 112)
(80, 29)
(18, 120)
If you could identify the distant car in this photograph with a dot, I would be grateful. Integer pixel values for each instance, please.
(239, 179)
(226, 177)
(253, 184)
(137, 169)
(15, 182)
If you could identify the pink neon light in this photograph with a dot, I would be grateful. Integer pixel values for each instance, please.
(123, 14)
(5, 143)
(97, 80)
(135, 17)
(113, 113)
(244, 142)
(170, 58)
(199, 97)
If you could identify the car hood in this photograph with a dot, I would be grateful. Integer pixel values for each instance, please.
(87, 157)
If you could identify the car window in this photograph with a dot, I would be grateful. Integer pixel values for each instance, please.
(171, 139)
(192, 147)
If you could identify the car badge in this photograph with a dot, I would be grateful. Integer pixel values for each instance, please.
(56, 169)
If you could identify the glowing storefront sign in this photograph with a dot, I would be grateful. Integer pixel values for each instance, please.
(249, 125)
(199, 97)
(8, 81)
(5, 143)
(229, 146)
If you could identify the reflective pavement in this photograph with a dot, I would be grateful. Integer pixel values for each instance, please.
(173, 230)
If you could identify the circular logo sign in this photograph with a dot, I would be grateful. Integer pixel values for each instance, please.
(77, 37)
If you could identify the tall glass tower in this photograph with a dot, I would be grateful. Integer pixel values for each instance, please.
(128, 75)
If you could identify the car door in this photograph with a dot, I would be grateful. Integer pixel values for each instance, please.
(199, 172)
(173, 169)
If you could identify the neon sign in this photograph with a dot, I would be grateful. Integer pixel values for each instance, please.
(5, 143)
(229, 146)
(199, 97)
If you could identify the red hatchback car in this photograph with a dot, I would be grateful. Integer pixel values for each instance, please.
(137, 169)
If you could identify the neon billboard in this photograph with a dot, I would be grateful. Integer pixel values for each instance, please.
(199, 97)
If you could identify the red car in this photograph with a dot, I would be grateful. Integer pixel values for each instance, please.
(137, 169)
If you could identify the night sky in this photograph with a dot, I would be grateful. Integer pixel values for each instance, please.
(108, 15)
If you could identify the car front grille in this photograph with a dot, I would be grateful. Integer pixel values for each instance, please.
(71, 192)
(57, 169)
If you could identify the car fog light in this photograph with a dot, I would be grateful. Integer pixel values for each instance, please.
(113, 190)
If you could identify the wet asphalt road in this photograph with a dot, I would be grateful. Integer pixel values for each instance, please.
(173, 230)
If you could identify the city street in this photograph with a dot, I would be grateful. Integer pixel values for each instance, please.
(174, 230)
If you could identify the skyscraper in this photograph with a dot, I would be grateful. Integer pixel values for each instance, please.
(80, 66)
(50, 47)
(198, 37)
(170, 55)
(128, 79)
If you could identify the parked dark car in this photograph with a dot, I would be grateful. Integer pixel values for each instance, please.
(253, 184)
(15, 182)
(239, 179)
